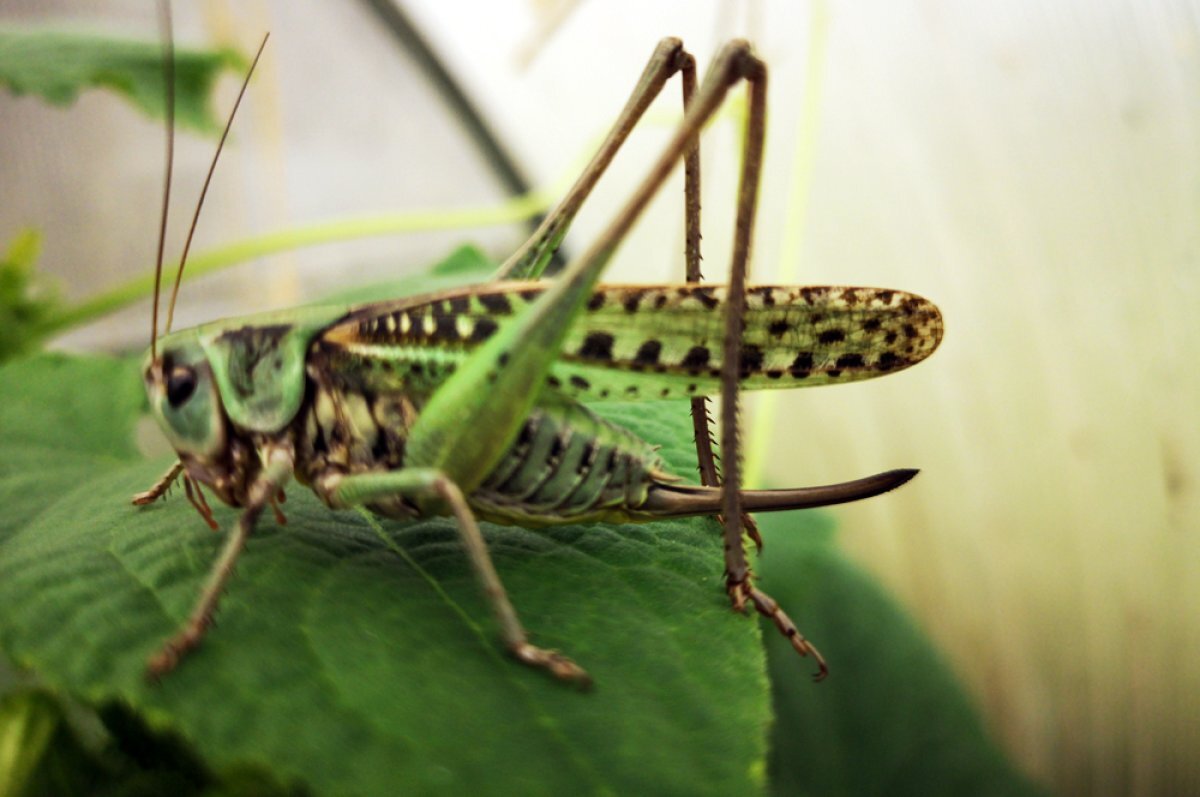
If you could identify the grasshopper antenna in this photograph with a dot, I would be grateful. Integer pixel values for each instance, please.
(164, 12)
(212, 167)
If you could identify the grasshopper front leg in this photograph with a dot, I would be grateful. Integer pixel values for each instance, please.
(195, 495)
(429, 485)
(266, 487)
(160, 487)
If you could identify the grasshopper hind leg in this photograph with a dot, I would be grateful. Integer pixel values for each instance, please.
(735, 522)
(669, 57)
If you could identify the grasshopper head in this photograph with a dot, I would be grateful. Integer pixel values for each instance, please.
(184, 398)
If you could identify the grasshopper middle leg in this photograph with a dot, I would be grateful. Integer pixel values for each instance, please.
(428, 484)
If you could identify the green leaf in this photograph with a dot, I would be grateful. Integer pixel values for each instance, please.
(353, 656)
(27, 302)
(356, 656)
(38, 755)
(57, 65)
(890, 719)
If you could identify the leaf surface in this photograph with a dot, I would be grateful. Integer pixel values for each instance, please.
(357, 656)
(58, 65)
(890, 719)
(354, 656)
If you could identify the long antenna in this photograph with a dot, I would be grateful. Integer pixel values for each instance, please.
(212, 167)
(164, 9)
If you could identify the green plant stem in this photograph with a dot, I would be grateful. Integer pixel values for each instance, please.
(213, 260)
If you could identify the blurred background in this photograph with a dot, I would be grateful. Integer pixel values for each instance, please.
(1033, 167)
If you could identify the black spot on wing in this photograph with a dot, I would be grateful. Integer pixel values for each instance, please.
(889, 361)
(802, 366)
(696, 357)
(850, 361)
(647, 353)
(496, 303)
(483, 329)
(446, 326)
(767, 294)
(597, 346)
(751, 360)
(706, 297)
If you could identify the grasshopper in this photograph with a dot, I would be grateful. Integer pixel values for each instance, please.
(474, 402)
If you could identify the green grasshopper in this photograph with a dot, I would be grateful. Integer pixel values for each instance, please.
(473, 402)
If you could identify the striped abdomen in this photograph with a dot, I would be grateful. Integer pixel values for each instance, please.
(567, 465)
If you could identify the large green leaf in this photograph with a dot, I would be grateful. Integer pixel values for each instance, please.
(354, 656)
(57, 65)
(27, 299)
(357, 656)
(890, 719)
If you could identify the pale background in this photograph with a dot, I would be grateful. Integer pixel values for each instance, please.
(1034, 167)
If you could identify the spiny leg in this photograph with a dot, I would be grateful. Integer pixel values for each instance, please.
(189, 636)
(199, 502)
(470, 421)
(669, 57)
(160, 487)
(701, 422)
(429, 483)
(706, 457)
(739, 581)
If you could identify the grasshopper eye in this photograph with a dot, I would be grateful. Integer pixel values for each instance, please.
(181, 384)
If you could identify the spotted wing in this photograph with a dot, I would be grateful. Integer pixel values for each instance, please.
(657, 341)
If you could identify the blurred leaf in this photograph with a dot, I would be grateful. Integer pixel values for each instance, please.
(360, 658)
(26, 300)
(42, 753)
(39, 754)
(890, 719)
(26, 729)
(56, 66)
